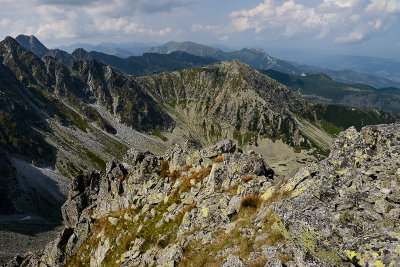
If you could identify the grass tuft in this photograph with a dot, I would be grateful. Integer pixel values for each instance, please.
(246, 179)
(197, 176)
(164, 169)
(173, 176)
(220, 158)
(250, 201)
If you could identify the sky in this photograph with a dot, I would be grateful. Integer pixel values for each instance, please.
(365, 27)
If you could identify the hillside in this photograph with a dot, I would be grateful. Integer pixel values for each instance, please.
(223, 207)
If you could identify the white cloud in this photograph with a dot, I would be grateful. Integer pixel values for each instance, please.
(125, 25)
(66, 19)
(353, 37)
(347, 21)
(4, 23)
(199, 27)
(224, 38)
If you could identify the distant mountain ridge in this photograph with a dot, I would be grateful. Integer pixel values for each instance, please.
(122, 50)
(323, 89)
(259, 59)
(255, 57)
(384, 67)
(148, 63)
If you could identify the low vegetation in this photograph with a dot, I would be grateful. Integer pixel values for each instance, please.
(250, 201)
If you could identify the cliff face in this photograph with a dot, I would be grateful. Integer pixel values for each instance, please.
(222, 206)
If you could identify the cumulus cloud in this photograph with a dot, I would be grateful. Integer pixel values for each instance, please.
(62, 19)
(224, 38)
(348, 21)
(126, 26)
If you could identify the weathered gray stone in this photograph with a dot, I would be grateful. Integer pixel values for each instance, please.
(233, 261)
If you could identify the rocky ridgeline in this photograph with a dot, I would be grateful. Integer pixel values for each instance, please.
(221, 207)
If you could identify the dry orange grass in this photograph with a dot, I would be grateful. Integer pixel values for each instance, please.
(250, 201)
(220, 158)
(247, 178)
(164, 169)
(197, 176)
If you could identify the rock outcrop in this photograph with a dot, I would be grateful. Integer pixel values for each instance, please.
(224, 207)
(348, 206)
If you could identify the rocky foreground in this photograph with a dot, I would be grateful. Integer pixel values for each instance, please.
(220, 206)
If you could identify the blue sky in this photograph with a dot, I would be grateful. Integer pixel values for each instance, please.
(368, 27)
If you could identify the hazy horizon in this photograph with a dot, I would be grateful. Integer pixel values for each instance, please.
(331, 27)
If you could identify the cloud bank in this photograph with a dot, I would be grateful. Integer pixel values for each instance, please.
(348, 21)
(62, 19)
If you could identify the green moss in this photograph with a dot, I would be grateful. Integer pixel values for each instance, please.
(157, 132)
(237, 135)
(331, 128)
(96, 160)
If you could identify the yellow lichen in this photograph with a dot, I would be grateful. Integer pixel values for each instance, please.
(379, 264)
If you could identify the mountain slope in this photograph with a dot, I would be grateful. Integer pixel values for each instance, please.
(232, 100)
(55, 123)
(342, 211)
(321, 88)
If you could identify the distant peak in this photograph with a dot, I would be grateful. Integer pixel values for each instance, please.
(32, 44)
(80, 50)
(81, 54)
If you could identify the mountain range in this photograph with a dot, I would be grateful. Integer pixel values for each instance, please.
(123, 50)
(64, 119)
(257, 58)
(176, 56)
(323, 89)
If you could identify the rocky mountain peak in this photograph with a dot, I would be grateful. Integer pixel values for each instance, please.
(32, 44)
(80, 54)
(10, 45)
(233, 67)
